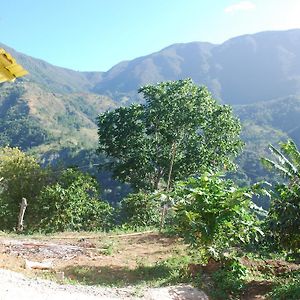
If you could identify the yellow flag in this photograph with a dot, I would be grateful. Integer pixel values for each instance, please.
(9, 68)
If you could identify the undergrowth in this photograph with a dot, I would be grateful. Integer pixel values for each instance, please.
(287, 287)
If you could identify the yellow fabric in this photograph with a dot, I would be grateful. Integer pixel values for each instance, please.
(9, 68)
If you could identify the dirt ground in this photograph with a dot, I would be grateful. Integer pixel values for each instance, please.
(99, 258)
(118, 260)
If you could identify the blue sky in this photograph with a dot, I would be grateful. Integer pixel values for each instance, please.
(94, 35)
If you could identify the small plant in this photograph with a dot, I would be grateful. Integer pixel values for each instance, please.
(108, 248)
(169, 271)
(229, 281)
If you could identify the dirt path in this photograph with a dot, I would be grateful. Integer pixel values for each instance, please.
(16, 286)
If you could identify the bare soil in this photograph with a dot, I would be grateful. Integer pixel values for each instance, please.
(113, 255)
(96, 260)
(105, 260)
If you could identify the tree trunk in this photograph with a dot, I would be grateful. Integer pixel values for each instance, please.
(163, 213)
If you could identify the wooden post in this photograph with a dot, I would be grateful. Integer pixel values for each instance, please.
(21, 215)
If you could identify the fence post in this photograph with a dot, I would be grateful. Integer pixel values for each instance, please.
(21, 215)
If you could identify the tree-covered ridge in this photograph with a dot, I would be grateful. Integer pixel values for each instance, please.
(53, 78)
(265, 123)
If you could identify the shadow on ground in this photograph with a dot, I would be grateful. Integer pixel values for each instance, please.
(122, 276)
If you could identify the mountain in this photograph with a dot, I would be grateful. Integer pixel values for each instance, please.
(172, 63)
(53, 78)
(52, 111)
(242, 70)
(34, 117)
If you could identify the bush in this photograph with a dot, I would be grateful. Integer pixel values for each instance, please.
(214, 215)
(72, 204)
(284, 214)
(290, 289)
(229, 281)
(21, 176)
(284, 217)
(140, 210)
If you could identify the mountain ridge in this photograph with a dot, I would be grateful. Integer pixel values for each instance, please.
(267, 61)
(52, 112)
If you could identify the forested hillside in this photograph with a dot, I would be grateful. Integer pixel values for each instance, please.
(52, 111)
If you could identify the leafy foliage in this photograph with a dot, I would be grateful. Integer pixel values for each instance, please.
(214, 215)
(21, 177)
(56, 202)
(140, 210)
(180, 131)
(287, 287)
(73, 203)
(284, 214)
(229, 281)
(284, 217)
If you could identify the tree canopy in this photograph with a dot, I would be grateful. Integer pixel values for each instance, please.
(179, 131)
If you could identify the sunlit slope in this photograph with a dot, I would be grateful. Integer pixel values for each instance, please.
(32, 116)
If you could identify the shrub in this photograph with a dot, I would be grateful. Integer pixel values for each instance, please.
(140, 210)
(284, 214)
(21, 176)
(214, 215)
(284, 217)
(288, 289)
(72, 204)
(229, 281)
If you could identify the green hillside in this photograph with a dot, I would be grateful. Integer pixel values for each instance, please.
(53, 78)
(52, 111)
(266, 123)
(33, 117)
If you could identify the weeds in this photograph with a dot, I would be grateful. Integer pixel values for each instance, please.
(229, 281)
(288, 287)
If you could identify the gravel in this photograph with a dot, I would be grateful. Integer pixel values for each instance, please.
(15, 286)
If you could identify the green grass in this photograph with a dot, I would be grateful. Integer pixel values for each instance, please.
(287, 287)
(170, 271)
(109, 247)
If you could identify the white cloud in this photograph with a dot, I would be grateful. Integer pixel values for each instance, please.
(240, 6)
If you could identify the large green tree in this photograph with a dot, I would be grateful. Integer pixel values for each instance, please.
(179, 131)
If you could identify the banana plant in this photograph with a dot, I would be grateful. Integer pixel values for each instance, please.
(284, 215)
(287, 161)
